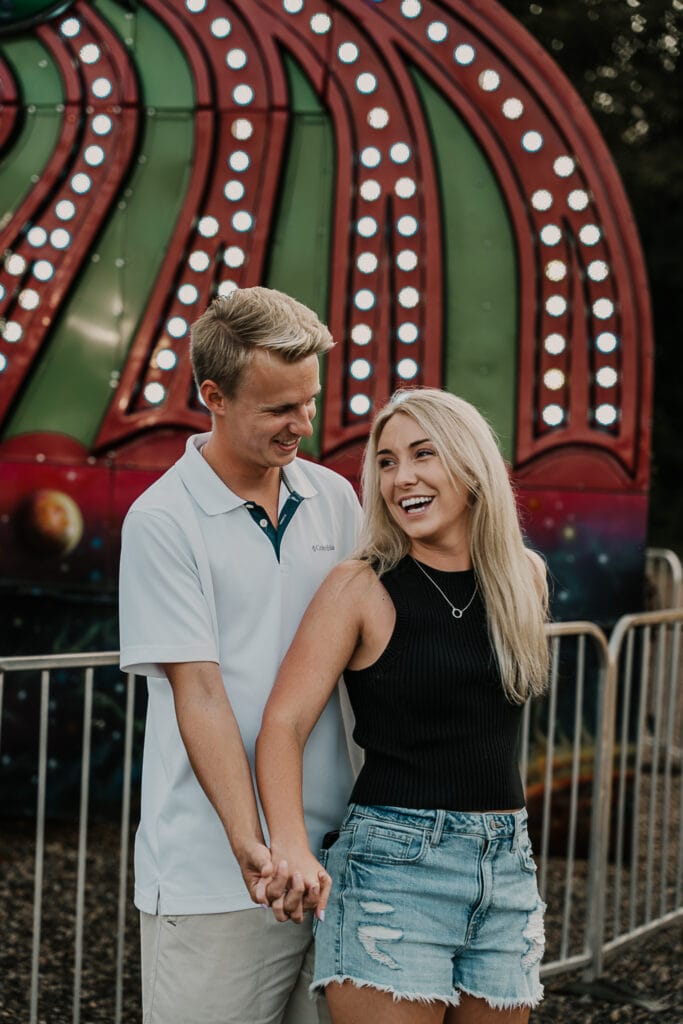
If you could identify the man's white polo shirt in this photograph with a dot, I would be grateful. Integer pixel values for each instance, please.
(201, 581)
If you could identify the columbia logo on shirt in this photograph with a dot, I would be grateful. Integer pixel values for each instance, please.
(323, 547)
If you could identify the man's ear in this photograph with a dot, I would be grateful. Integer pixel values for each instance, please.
(213, 397)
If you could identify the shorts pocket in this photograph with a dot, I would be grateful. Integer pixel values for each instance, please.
(390, 844)
(526, 855)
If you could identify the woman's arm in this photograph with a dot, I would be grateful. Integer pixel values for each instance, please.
(330, 631)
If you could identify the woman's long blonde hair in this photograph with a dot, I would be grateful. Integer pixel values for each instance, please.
(504, 572)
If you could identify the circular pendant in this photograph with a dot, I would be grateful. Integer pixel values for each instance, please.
(457, 613)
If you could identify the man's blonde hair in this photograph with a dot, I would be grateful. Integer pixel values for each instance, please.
(506, 578)
(234, 326)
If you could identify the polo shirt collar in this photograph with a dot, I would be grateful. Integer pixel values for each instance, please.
(211, 494)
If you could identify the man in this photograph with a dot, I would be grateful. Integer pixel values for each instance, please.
(220, 558)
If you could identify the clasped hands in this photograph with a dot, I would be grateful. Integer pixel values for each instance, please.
(288, 891)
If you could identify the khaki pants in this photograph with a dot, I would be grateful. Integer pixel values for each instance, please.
(243, 967)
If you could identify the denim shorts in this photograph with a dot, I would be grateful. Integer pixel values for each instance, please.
(430, 904)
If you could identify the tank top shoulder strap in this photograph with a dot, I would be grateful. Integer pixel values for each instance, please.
(399, 584)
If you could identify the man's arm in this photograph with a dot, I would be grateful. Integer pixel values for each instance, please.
(214, 747)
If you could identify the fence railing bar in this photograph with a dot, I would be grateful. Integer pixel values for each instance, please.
(40, 843)
(623, 765)
(123, 850)
(82, 841)
(642, 930)
(555, 967)
(57, 661)
(600, 809)
(574, 796)
(638, 771)
(654, 769)
(672, 692)
(550, 756)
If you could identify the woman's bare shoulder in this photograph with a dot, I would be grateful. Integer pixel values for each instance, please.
(354, 575)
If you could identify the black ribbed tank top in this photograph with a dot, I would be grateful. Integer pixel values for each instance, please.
(431, 713)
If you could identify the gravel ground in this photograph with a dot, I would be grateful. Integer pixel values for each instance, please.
(650, 970)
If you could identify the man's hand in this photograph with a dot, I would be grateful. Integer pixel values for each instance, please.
(259, 873)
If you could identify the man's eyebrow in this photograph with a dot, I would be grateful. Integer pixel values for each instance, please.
(413, 444)
(291, 405)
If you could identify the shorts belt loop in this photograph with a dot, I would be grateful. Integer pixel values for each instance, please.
(518, 831)
(437, 831)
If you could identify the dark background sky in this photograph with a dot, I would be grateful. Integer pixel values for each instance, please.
(624, 58)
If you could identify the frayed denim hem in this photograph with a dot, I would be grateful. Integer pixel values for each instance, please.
(412, 997)
(505, 1004)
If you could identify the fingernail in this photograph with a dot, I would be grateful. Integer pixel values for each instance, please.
(264, 905)
(321, 915)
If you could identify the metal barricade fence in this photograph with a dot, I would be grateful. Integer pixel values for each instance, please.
(643, 881)
(563, 770)
(42, 669)
(602, 771)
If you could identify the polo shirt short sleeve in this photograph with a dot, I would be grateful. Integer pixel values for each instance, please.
(164, 614)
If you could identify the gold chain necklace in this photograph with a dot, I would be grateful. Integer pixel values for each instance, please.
(457, 613)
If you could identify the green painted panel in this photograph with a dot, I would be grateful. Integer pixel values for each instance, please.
(299, 257)
(41, 91)
(26, 159)
(480, 270)
(71, 386)
(165, 75)
(38, 78)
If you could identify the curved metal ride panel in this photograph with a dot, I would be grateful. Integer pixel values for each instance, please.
(420, 173)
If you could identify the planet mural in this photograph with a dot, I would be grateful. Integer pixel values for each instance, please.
(48, 523)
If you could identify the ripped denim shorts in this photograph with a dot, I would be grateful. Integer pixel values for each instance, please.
(431, 904)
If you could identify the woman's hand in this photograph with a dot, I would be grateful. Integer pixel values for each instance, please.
(308, 885)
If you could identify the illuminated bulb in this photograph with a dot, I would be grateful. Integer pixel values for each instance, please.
(607, 377)
(400, 153)
(199, 260)
(360, 369)
(406, 259)
(348, 53)
(554, 344)
(364, 299)
(370, 190)
(166, 359)
(360, 405)
(408, 333)
(361, 334)
(553, 415)
(464, 54)
(367, 227)
(606, 415)
(513, 108)
(554, 379)
(155, 392)
(407, 369)
(551, 234)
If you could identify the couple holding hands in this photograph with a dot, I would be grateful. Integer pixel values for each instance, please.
(250, 583)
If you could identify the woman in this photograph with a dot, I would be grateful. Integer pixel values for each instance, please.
(434, 913)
